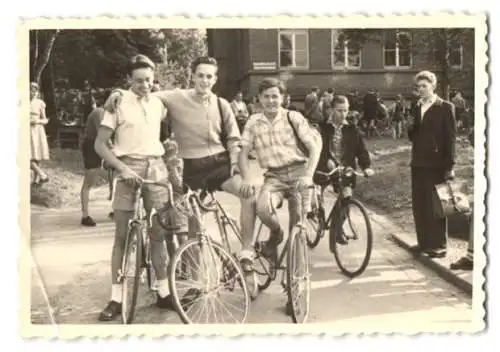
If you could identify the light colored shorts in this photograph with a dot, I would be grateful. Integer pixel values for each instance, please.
(153, 169)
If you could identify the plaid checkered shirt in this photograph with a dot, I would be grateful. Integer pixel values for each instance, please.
(274, 141)
(336, 143)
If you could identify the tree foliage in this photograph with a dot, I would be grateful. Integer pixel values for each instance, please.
(101, 55)
(442, 43)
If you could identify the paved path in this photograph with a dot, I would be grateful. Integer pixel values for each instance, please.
(71, 282)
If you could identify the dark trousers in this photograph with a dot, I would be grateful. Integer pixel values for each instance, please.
(431, 232)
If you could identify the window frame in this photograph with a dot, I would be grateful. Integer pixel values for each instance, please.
(293, 32)
(396, 51)
(346, 65)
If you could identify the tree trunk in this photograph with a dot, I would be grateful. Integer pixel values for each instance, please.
(35, 54)
(45, 56)
(444, 61)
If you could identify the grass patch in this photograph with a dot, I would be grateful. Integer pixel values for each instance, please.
(65, 170)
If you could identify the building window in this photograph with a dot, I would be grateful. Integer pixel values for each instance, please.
(293, 49)
(346, 55)
(397, 49)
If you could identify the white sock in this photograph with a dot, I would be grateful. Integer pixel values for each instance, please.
(163, 290)
(116, 293)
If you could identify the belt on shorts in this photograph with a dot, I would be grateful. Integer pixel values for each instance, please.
(282, 168)
(139, 157)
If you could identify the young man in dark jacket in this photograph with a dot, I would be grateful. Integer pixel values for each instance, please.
(343, 145)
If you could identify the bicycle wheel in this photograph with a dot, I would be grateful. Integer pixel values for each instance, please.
(316, 223)
(352, 236)
(298, 276)
(130, 273)
(213, 289)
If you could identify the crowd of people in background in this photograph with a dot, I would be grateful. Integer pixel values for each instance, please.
(370, 112)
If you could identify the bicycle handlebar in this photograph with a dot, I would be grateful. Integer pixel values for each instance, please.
(202, 205)
(168, 186)
(340, 168)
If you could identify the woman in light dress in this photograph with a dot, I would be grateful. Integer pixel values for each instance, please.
(39, 149)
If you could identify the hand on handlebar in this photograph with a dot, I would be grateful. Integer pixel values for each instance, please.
(346, 172)
(130, 178)
(368, 172)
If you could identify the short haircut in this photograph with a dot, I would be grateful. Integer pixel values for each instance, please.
(207, 60)
(339, 99)
(271, 82)
(426, 76)
(140, 61)
(315, 89)
(330, 90)
(34, 85)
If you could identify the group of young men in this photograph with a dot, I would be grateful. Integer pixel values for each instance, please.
(215, 155)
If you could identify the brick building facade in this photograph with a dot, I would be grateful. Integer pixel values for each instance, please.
(307, 57)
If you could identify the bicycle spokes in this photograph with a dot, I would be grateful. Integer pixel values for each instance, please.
(353, 238)
(213, 288)
(298, 276)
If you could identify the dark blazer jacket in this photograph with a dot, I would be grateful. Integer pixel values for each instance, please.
(353, 145)
(434, 138)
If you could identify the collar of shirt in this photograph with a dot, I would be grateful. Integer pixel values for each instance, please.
(343, 123)
(429, 101)
(144, 98)
(279, 115)
(202, 99)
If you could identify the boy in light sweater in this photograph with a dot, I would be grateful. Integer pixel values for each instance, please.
(209, 141)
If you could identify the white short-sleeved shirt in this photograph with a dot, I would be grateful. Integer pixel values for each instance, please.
(36, 108)
(136, 123)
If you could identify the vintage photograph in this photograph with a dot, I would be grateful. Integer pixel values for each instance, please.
(291, 176)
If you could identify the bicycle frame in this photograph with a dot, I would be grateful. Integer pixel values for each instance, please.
(138, 220)
(281, 257)
(201, 235)
(222, 218)
(336, 181)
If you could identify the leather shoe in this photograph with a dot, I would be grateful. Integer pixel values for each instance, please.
(463, 263)
(165, 302)
(436, 253)
(112, 310)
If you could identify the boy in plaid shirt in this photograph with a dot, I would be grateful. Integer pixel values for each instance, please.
(272, 137)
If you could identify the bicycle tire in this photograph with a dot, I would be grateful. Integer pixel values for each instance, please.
(128, 313)
(297, 236)
(313, 237)
(231, 267)
(346, 202)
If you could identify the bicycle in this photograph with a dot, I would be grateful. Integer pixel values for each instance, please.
(223, 274)
(341, 210)
(297, 286)
(138, 241)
